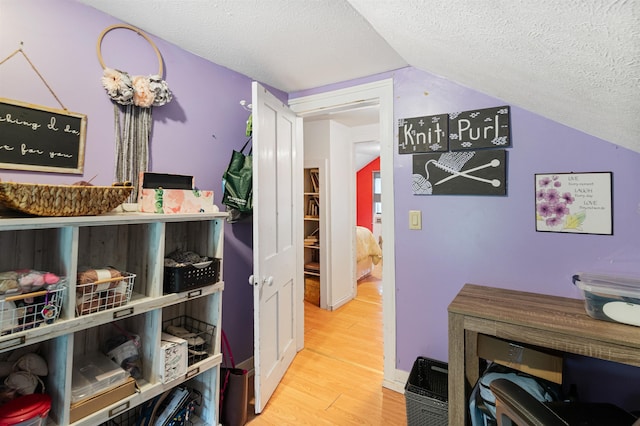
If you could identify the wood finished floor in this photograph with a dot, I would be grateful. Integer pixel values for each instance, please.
(337, 378)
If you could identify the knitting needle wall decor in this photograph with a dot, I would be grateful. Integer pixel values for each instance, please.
(460, 173)
(469, 162)
(135, 97)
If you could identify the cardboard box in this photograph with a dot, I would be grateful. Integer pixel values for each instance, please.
(546, 365)
(174, 356)
(97, 402)
(165, 193)
(312, 290)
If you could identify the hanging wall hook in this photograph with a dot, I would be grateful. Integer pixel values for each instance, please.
(246, 106)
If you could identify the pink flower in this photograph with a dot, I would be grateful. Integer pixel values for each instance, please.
(143, 96)
(111, 80)
(118, 85)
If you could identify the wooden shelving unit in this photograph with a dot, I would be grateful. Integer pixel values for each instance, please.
(312, 242)
(136, 243)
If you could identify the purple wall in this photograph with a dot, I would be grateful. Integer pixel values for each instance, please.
(60, 39)
(492, 240)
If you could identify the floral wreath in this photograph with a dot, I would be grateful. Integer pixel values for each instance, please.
(141, 91)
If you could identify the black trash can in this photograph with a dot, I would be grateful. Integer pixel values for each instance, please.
(426, 393)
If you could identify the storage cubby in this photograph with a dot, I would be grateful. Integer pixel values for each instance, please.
(123, 247)
(39, 249)
(135, 243)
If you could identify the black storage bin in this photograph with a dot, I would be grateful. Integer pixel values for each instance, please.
(189, 277)
(426, 393)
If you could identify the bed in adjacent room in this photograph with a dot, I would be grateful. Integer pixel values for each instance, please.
(368, 252)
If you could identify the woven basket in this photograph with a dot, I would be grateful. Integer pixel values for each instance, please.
(62, 200)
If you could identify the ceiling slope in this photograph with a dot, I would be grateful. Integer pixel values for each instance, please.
(576, 62)
(288, 44)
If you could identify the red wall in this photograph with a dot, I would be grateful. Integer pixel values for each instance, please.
(364, 194)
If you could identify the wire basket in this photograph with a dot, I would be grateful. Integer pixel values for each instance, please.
(104, 294)
(62, 200)
(128, 418)
(185, 412)
(198, 334)
(30, 310)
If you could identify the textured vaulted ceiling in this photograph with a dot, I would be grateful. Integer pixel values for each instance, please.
(573, 61)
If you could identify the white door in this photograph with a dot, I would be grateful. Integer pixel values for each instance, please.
(277, 241)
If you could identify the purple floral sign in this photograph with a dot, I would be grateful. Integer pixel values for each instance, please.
(574, 203)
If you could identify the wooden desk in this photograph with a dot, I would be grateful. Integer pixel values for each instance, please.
(547, 321)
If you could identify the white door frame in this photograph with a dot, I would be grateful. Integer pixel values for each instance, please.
(380, 92)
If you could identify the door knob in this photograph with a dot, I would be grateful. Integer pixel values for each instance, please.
(265, 281)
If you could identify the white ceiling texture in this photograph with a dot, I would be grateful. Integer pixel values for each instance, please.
(576, 62)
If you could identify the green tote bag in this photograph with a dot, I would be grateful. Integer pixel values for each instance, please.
(237, 181)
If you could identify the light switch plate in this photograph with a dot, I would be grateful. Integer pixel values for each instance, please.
(415, 219)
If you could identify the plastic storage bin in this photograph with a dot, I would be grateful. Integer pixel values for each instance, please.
(94, 373)
(189, 277)
(610, 298)
(28, 410)
(426, 393)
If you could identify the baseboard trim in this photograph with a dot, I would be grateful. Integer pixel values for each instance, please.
(341, 303)
(397, 382)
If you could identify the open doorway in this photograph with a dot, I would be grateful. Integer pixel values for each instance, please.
(343, 148)
(379, 94)
(351, 138)
(368, 196)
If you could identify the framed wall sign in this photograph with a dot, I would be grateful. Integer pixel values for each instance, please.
(423, 134)
(578, 203)
(479, 129)
(460, 173)
(38, 138)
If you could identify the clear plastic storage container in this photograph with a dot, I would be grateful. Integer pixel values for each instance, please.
(27, 410)
(94, 373)
(610, 297)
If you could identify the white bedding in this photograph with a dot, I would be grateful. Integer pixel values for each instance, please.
(368, 252)
(367, 246)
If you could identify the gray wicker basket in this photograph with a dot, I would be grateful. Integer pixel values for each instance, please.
(426, 393)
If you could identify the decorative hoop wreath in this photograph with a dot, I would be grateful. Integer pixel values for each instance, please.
(142, 91)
